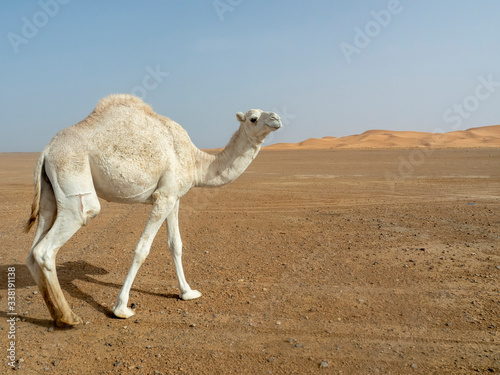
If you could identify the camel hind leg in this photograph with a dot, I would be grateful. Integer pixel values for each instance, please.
(46, 217)
(77, 204)
(43, 257)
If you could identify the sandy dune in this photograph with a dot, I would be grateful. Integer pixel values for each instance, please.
(487, 136)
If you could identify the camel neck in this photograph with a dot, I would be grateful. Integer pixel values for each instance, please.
(230, 163)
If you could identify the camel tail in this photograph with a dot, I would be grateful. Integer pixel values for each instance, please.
(35, 206)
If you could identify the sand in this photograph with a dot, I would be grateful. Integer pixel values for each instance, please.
(312, 262)
(487, 136)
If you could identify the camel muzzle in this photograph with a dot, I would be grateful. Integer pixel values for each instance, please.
(274, 122)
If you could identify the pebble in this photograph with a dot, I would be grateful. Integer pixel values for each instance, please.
(323, 364)
(414, 365)
(271, 359)
(51, 329)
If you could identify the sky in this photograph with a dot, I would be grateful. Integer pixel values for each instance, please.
(327, 67)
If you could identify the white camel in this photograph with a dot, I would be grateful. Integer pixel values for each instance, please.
(124, 152)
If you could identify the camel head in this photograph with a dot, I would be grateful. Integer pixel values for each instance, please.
(258, 124)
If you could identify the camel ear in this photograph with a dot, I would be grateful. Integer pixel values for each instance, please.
(240, 116)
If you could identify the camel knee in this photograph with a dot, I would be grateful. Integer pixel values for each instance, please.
(140, 255)
(44, 259)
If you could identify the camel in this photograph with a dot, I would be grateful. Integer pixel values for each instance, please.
(125, 152)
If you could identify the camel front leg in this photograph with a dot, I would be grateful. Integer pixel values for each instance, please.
(175, 247)
(162, 206)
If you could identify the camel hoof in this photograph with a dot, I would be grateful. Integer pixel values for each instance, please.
(192, 294)
(68, 321)
(123, 312)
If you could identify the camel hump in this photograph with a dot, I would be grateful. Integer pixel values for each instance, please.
(121, 100)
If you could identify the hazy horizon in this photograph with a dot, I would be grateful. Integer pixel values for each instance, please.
(329, 68)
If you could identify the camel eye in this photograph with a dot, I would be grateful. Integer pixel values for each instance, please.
(253, 119)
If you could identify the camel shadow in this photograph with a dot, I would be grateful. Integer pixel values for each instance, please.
(68, 273)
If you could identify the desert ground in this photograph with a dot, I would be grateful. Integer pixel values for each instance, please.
(332, 261)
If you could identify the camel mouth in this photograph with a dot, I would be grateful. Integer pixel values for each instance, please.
(274, 124)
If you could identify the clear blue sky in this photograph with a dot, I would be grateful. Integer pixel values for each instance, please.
(419, 65)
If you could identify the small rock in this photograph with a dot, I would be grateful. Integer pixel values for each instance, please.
(323, 364)
(133, 305)
(414, 365)
(278, 323)
(299, 345)
(137, 321)
(271, 359)
(117, 363)
(51, 329)
(192, 325)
